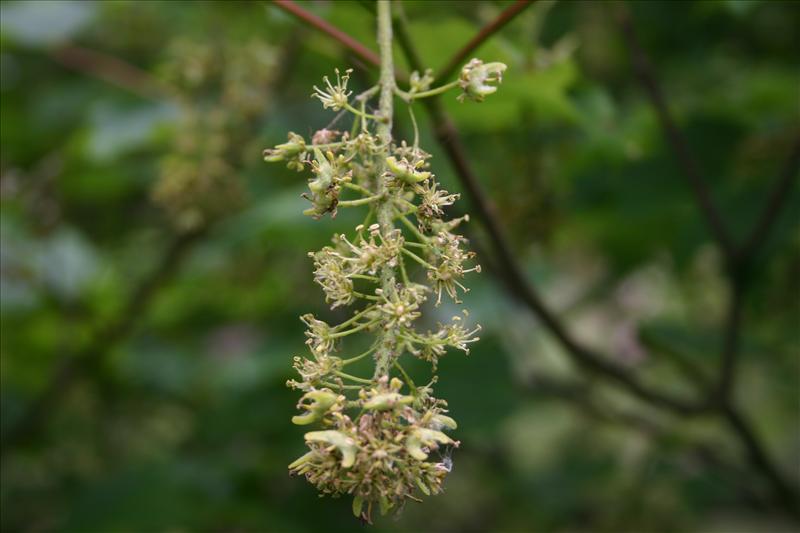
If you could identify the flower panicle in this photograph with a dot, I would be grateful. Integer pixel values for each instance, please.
(379, 439)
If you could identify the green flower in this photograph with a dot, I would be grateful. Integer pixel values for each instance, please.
(336, 96)
(293, 152)
(338, 440)
(429, 438)
(317, 404)
(477, 77)
(405, 171)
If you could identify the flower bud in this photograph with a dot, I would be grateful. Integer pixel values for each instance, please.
(476, 78)
(425, 437)
(387, 400)
(321, 401)
(403, 171)
(346, 446)
(358, 504)
(444, 421)
(292, 151)
(421, 83)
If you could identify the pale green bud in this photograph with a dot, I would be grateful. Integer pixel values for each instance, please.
(405, 172)
(321, 401)
(424, 437)
(346, 446)
(476, 78)
(387, 400)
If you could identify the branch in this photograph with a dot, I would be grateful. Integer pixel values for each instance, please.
(110, 69)
(775, 204)
(785, 493)
(482, 36)
(511, 274)
(325, 27)
(730, 342)
(580, 396)
(647, 77)
(519, 287)
(105, 339)
(736, 260)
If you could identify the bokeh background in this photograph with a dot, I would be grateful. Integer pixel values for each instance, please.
(153, 268)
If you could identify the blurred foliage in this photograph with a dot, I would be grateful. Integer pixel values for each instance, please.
(183, 423)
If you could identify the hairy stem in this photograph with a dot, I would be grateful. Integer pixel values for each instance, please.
(386, 351)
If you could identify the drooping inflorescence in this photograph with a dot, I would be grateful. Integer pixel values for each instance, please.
(377, 434)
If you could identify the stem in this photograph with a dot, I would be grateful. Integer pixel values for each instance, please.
(325, 146)
(354, 330)
(364, 276)
(366, 296)
(358, 357)
(418, 259)
(356, 187)
(406, 377)
(414, 125)
(337, 386)
(386, 350)
(352, 378)
(403, 272)
(414, 229)
(360, 201)
(362, 114)
(411, 96)
(354, 317)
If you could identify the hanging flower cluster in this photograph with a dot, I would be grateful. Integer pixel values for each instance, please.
(379, 435)
(220, 92)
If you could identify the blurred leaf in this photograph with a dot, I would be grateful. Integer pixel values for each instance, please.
(45, 22)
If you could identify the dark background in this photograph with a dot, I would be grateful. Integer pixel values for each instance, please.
(153, 268)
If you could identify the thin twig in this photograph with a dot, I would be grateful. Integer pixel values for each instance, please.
(730, 342)
(517, 284)
(738, 261)
(511, 274)
(482, 36)
(108, 336)
(325, 27)
(580, 396)
(649, 81)
(775, 204)
(760, 460)
(110, 69)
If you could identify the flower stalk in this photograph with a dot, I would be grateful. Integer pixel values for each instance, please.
(379, 433)
(384, 132)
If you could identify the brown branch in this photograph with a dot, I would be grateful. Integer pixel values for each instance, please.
(482, 36)
(758, 457)
(105, 339)
(580, 396)
(647, 77)
(110, 69)
(511, 274)
(730, 342)
(519, 287)
(737, 264)
(775, 204)
(325, 27)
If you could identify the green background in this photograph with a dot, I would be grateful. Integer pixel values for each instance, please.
(182, 422)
